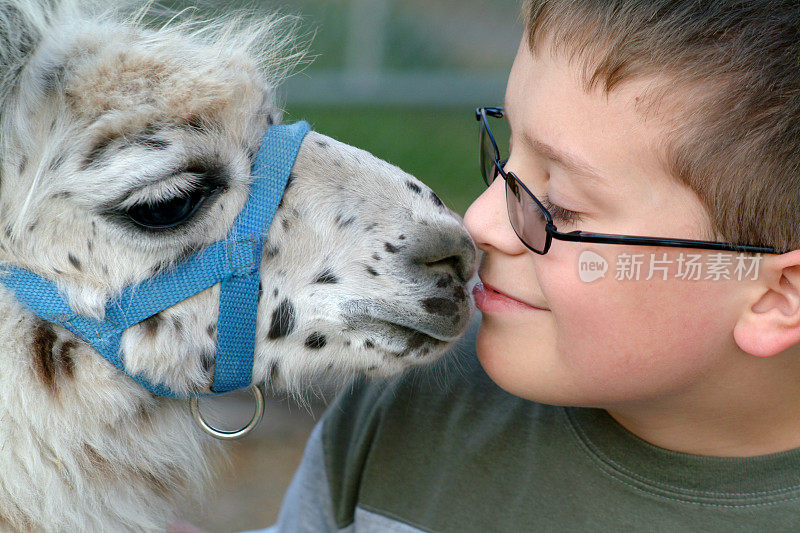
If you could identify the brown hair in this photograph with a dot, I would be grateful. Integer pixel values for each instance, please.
(731, 71)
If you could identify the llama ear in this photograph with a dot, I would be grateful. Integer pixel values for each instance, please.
(22, 26)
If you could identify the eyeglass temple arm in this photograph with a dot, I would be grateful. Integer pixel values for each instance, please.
(496, 112)
(582, 236)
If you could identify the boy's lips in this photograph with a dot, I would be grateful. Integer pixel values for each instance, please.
(489, 298)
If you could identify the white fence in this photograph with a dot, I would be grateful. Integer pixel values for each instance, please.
(364, 79)
(399, 88)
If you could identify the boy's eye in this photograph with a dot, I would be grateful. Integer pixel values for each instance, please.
(559, 213)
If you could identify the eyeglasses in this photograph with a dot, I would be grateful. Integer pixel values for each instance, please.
(533, 223)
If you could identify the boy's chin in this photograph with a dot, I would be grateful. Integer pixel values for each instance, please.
(530, 370)
(513, 368)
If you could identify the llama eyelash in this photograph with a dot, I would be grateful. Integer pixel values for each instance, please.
(190, 180)
(172, 206)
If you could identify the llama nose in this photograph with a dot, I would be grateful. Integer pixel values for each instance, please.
(450, 251)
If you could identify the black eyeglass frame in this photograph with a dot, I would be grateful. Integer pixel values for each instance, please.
(582, 236)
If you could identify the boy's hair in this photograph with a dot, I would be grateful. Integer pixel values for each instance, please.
(727, 75)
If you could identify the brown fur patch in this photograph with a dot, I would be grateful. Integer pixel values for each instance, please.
(149, 86)
(65, 358)
(151, 325)
(97, 462)
(74, 261)
(16, 522)
(42, 351)
(165, 482)
(143, 418)
(162, 483)
(96, 153)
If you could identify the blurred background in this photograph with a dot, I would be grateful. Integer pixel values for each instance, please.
(401, 79)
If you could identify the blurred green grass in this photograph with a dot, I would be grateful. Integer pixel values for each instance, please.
(438, 146)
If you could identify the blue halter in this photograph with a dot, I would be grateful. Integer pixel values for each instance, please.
(233, 262)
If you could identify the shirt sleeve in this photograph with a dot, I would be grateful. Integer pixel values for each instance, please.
(324, 494)
(307, 506)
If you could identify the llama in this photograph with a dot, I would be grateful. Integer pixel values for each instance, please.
(106, 124)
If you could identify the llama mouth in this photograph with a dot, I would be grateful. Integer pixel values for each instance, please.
(393, 328)
(441, 328)
(401, 341)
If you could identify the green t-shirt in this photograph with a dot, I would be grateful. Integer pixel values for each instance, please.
(447, 450)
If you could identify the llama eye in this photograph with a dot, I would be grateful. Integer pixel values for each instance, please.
(167, 213)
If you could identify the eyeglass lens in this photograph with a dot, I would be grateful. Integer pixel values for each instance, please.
(525, 215)
(487, 156)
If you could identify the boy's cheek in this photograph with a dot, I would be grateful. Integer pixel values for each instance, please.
(614, 327)
(587, 291)
(607, 339)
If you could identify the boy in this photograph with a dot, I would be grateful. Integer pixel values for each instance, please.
(674, 364)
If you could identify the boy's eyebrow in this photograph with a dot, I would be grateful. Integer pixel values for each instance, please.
(570, 162)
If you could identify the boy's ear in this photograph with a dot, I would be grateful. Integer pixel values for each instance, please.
(771, 323)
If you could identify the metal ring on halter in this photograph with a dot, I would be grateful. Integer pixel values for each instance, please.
(258, 394)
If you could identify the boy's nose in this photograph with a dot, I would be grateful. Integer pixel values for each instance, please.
(488, 224)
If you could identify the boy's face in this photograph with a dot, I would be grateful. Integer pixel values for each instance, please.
(601, 342)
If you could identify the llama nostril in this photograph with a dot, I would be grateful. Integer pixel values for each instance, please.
(452, 264)
(454, 256)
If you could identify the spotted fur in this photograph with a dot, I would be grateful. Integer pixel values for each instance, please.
(102, 115)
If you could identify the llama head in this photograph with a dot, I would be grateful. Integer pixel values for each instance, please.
(124, 149)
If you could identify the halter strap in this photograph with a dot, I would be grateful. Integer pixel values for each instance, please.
(233, 262)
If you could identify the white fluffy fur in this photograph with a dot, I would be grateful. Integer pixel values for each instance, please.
(99, 112)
